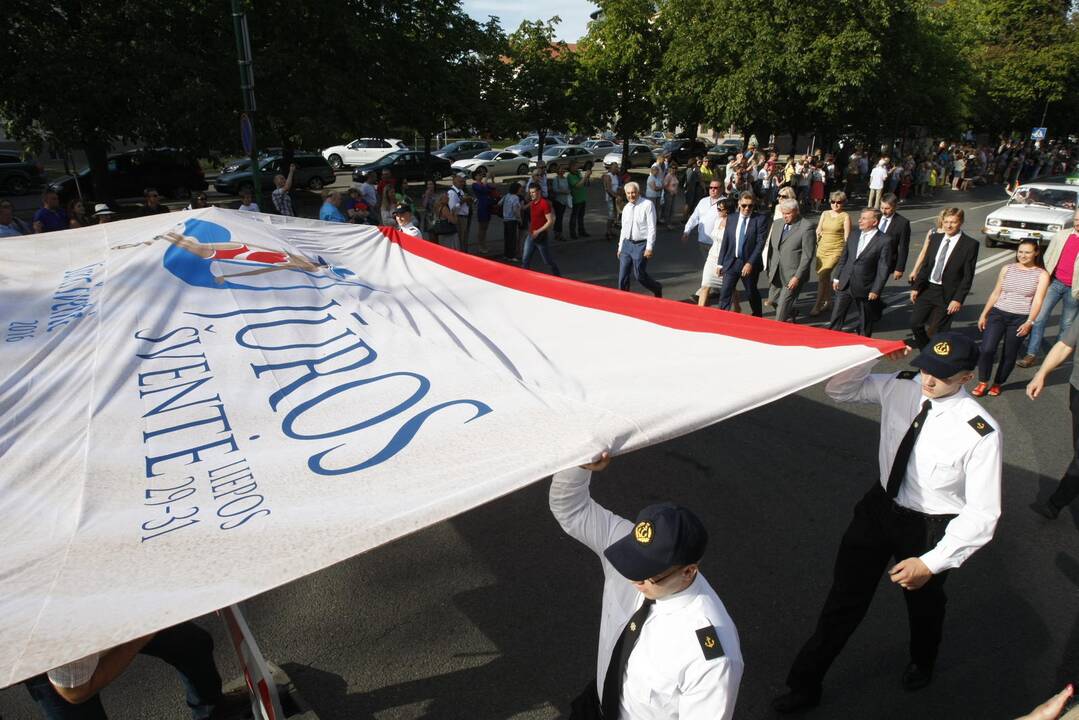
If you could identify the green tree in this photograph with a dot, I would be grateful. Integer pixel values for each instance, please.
(619, 60)
(542, 76)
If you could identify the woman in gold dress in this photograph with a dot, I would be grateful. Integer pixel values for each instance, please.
(832, 231)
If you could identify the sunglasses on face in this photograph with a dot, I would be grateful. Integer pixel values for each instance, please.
(745, 206)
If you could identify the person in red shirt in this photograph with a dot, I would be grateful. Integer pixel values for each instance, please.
(1062, 263)
(541, 220)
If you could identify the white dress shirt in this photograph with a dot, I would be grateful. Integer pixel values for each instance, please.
(704, 218)
(369, 194)
(943, 260)
(638, 223)
(954, 468)
(877, 178)
(458, 206)
(667, 677)
(864, 240)
(410, 229)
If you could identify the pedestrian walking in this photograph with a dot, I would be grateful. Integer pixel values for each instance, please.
(793, 242)
(671, 185)
(637, 240)
(562, 200)
(709, 219)
(1009, 315)
(1062, 264)
(935, 502)
(861, 274)
(833, 229)
(894, 224)
(1068, 487)
(578, 189)
(484, 192)
(876, 183)
(740, 257)
(668, 649)
(511, 221)
(612, 184)
(541, 221)
(942, 285)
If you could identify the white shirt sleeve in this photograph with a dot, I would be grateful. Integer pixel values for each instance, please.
(857, 384)
(455, 200)
(710, 690)
(75, 674)
(582, 517)
(650, 226)
(627, 225)
(694, 218)
(975, 524)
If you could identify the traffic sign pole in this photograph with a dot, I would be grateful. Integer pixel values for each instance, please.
(247, 88)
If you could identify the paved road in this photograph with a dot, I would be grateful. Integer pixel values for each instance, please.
(494, 614)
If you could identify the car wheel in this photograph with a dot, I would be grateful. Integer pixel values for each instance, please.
(989, 242)
(180, 192)
(17, 185)
(335, 162)
(522, 169)
(315, 183)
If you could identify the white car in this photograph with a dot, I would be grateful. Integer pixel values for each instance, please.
(499, 163)
(560, 156)
(1035, 211)
(640, 155)
(362, 151)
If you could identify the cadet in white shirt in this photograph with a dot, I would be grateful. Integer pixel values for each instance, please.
(667, 647)
(403, 215)
(636, 240)
(936, 502)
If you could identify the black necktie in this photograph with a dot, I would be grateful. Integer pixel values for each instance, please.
(616, 670)
(906, 446)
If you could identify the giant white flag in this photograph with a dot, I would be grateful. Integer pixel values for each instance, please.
(197, 407)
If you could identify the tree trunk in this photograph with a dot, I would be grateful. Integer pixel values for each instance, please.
(539, 150)
(426, 155)
(97, 156)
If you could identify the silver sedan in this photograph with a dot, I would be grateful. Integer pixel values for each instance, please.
(560, 156)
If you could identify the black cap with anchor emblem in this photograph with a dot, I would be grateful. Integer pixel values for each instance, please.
(946, 354)
(665, 535)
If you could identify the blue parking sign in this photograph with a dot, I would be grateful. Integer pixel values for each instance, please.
(1037, 134)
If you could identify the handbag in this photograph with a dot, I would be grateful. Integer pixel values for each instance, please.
(444, 227)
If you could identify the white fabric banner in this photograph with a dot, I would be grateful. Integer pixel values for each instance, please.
(197, 407)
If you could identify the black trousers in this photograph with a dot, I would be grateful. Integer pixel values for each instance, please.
(867, 312)
(1068, 489)
(930, 315)
(576, 219)
(749, 284)
(186, 647)
(879, 532)
(509, 238)
(559, 213)
(1000, 325)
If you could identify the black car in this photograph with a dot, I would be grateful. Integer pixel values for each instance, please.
(682, 149)
(462, 150)
(409, 165)
(312, 171)
(173, 173)
(18, 174)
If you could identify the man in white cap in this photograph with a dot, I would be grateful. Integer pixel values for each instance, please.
(667, 646)
(103, 213)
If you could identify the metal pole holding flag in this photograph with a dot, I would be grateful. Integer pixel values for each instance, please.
(247, 89)
(265, 702)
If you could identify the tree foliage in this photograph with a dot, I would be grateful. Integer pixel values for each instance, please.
(542, 73)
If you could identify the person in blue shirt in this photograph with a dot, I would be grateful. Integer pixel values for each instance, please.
(51, 216)
(330, 212)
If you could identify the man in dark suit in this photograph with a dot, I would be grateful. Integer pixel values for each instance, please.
(792, 244)
(743, 244)
(861, 274)
(944, 279)
(894, 224)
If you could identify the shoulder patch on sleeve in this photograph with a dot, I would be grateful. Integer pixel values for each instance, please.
(907, 375)
(710, 644)
(980, 425)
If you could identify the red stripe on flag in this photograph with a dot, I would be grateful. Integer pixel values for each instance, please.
(669, 313)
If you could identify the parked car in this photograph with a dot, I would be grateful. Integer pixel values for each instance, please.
(640, 155)
(312, 171)
(499, 163)
(1036, 211)
(462, 149)
(174, 173)
(528, 146)
(598, 147)
(730, 146)
(682, 149)
(361, 151)
(19, 174)
(560, 156)
(410, 165)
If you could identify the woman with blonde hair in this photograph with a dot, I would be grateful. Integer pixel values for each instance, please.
(832, 231)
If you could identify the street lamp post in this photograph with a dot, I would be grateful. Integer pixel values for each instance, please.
(247, 89)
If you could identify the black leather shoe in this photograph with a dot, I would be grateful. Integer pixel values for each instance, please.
(796, 701)
(915, 677)
(1046, 509)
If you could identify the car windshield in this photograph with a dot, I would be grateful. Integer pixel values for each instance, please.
(488, 155)
(390, 157)
(451, 147)
(1045, 197)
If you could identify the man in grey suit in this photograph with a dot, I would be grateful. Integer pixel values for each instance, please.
(862, 272)
(792, 245)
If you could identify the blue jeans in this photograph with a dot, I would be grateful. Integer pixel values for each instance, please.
(632, 260)
(538, 243)
(1057, 291)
